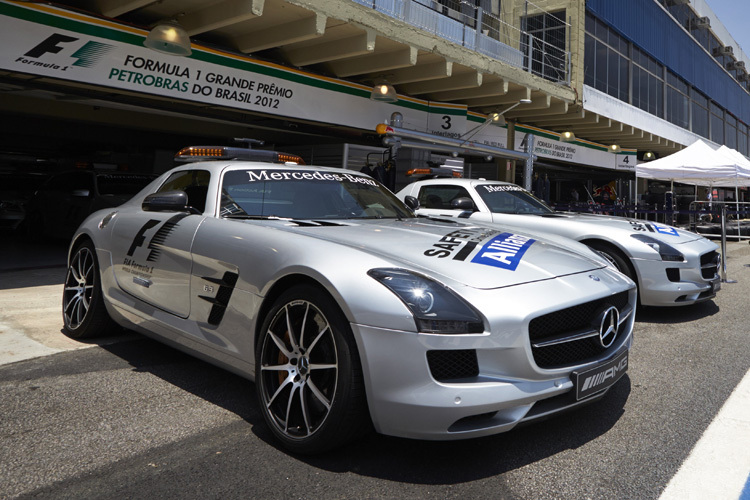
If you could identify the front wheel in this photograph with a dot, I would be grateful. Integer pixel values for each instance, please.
(84, 312)
(615, 258)
(308, 374)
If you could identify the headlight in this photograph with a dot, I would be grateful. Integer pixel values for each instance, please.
(436, 308)
(666, 252)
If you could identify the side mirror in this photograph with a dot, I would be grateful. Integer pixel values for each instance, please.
(411, 202)
(168, 201)
(462, 204)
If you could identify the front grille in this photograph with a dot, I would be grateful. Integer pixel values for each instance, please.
(569, 321)
(710, 264)
(452, 365)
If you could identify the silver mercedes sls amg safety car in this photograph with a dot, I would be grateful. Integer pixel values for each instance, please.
(348, 311)
(672, 267)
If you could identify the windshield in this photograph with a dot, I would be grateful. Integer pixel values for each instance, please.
(307, 194)
(510, 199)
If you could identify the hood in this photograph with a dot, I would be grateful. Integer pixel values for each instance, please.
(476, 255)
(657, 230)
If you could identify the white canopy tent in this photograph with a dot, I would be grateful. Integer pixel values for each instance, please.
(701, 165)
(739, 157)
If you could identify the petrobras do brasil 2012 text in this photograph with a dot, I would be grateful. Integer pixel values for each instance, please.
(176, 77)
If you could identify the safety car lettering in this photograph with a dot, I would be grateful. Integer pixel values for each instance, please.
(504, 251)
(666, 230)
(462, 241)
(301, 175)
(640, 226)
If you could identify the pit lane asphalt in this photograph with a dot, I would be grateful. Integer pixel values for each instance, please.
(131, 418)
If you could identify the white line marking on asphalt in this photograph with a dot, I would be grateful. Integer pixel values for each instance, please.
(718, 465)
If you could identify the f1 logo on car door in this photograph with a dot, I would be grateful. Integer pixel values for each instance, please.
(151, 258)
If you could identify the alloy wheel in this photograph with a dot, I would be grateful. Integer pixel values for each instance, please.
(79, 288)
(299, 369)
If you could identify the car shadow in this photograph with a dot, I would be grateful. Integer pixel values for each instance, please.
(32, 277)
(452, 462)
(202, 379)
(384, 457)
(674, 315)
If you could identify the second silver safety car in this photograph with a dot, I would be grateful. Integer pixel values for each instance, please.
(672, 267)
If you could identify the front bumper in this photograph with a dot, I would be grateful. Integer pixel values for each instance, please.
(407, 400)
(678, 283)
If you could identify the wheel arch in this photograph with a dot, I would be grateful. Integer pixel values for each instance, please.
(608, 245)
(280, 287)
(77, 241)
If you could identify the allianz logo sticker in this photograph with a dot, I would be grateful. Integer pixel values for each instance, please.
(504, 251)
(665, 230)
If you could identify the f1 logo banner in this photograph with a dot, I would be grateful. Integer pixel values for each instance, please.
(47, 40)
(84, 56)
(50, 45)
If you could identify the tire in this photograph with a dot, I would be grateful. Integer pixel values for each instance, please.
(615, 257)
(308, 374)
(84, 312)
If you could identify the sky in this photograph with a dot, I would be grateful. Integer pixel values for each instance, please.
(735, 16)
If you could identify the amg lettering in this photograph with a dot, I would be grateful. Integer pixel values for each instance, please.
(602, 377)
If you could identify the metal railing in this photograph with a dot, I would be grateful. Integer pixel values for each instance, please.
(703, 217)
(708, 217)
(543, 49)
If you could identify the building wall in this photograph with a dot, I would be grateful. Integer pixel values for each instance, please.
(514, 11)
(649, 26)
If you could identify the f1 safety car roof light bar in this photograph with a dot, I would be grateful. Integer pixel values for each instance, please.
(428, 141)
(206, 153)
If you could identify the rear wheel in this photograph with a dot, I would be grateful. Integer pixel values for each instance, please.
(84, 312)
(308, 374)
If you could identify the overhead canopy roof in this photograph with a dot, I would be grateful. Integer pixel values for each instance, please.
(356, 41)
